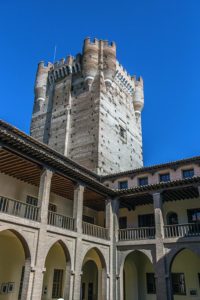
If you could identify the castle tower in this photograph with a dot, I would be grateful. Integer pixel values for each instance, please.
(89, 108)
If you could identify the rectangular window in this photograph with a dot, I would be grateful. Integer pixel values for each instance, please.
(151, 283)
(31, 200)
(21, 283)
(178, 284)
(57, 283)
(164, 177)
(90, 291)
(143, 181)
(122, 222)
(122, 133)
(123, 184)
(189, 173)
(88, 219)
(193, 215)
(146, 220)
(52, 207)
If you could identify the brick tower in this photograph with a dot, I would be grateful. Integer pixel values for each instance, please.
(89, 109)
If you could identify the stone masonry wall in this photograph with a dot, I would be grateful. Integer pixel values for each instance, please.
(88, 108)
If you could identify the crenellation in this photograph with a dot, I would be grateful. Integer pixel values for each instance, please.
(89, 101)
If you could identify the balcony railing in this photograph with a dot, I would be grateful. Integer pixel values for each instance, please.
(95, 230)
(19, 209)
(60, 221)
(182, 230)
(141, 233)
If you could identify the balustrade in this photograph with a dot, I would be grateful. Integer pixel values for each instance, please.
(60, 221)
(19, 209)
(95, 230)
(141, 233)
(182, 230)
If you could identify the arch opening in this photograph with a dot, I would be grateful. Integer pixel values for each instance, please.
(93, 280)
(138, 278)
(56, 282)
(15, 262)
(185, 275)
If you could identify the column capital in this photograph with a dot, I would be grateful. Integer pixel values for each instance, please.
(48, 170)
(79, 185)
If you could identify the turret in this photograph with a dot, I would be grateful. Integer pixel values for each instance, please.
(109, 62)
(138, 97)
(90, 59)
(40, 86)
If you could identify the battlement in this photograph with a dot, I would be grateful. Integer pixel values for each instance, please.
(124, 79)
(96, 43)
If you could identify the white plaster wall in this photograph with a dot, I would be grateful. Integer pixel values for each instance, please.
(180, 207)
(12, 259)
(191, 268)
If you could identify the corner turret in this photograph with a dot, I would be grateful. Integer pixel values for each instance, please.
(40, 86)
(138, 97)
(90, 59)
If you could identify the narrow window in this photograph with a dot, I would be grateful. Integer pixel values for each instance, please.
(151, 283)
(52, 207)
(143, 181)
(178, 284)
(57, 283)
(189, 173)
(123, 184)
(21, 283)
(164, 177)
(122, 222)
(122, 133)
(146, 220)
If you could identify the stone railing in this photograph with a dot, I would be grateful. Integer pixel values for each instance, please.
(95, 230)
(60, 221)
(140, 233)
(19, 209)
(182, 230)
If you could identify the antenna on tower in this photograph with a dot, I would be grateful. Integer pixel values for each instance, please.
(54, 56)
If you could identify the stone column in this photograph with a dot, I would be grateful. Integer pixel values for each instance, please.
(43, 197)
(112, 212)
(160, 273)
(78, 207)
(26, 280)
(78, 216)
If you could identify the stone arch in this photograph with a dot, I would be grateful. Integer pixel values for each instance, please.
(63, 264)
(100, 254)
(63, 245)
(126, 253)
(174, 252)
(95, 255)
(189, 270)
(22, 265)
(133, 268)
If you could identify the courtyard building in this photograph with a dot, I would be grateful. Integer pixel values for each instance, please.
(81, 218)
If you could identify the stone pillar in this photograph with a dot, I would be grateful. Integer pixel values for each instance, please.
(113, 221)
(26, 280)
(44, 194)
(78, 216)
(43, 197)
(78, 270)
(109, 218)
(78, 207)
(160, 272)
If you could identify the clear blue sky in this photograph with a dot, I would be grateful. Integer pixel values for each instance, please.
(157, 39)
